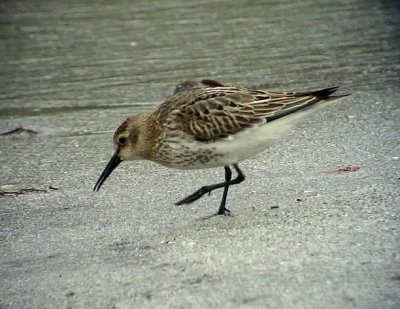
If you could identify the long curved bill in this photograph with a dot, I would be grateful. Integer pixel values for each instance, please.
(114, 162)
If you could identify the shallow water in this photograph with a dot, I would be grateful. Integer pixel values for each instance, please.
(56, 55)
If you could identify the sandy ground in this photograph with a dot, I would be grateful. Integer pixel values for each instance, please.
(304, 234)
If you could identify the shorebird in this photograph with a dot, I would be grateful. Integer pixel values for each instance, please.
(192, 84)
(211, 127)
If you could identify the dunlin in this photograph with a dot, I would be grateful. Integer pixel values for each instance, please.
(211, 127)
(192, 84)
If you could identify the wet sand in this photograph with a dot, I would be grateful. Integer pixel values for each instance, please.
(305, 232)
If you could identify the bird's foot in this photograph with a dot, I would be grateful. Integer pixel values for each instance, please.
(195, 195)
(225, 212)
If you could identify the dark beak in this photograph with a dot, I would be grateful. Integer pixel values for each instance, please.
(114, 162)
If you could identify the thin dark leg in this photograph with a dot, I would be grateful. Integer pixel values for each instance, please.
(207, 189)
(228, 177)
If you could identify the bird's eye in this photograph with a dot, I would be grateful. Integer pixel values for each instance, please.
(122, 140)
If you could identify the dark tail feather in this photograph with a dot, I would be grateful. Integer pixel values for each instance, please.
(324, 94)
(318, 95)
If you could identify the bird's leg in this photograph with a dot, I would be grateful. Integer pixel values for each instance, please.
(206, 189)
(228, 177)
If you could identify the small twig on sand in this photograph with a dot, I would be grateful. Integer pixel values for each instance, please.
(20, 191)
(19, 130)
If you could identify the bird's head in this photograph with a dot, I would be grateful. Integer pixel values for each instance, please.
(129, 144)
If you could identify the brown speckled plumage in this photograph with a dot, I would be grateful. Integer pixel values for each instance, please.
(210, 127)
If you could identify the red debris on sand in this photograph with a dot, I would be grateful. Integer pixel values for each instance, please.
(348, 169)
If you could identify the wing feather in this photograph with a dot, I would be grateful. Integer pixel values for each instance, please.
(208, 114)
